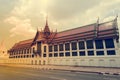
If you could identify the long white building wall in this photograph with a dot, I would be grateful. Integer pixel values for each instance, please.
(75, 61)
(87, 61)
(98, 61)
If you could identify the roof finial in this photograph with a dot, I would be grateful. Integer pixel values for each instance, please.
(98, 20)
(46, 29)
(46, 20)
(116, 17)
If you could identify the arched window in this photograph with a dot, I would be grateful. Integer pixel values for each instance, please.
(50, 48)
(44, 48)
(109, 43)
(89, 44)
(60, 47)
(81, 45)
(55, 48)
(74, 45)
(99, 44)
(67, 46)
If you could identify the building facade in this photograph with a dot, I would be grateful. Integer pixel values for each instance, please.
(95, 44)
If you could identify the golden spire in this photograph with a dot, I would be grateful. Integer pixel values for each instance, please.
(46, 29)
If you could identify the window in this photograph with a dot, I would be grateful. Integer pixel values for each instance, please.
(90, 53)
(32, 56)
(100, 53)
(67, 54)
(74, 45)
(50, 55)
(55, 54)
(50, 48)
(109, 43)
(27, 56)
(111, 52)
(67, 46)
(89, 44)
(74, 53)
(44, 48)
(81, 45)
(82, 53)
(55, 48)
(27, 50)
(61, 54)
(99, 44)
(33, 50)
(60, 47)
(44, 55)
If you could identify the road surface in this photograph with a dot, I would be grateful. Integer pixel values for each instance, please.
(12, 73)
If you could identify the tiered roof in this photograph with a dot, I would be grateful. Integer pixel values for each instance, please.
(92, 31)
(22, 44)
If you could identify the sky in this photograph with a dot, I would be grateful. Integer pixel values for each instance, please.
(19, 19)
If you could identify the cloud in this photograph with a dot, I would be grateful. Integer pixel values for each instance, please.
(62, 14)
(69, 8)
(30, 8)
(21, 27)
(23, 13)
(18, 18)
(75, 13)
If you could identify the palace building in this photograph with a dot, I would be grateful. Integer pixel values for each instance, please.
(96, 44)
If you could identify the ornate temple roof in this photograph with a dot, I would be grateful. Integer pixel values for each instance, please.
(82, 29)
(23, 44)
(46, 29)
(96, 30)
(92, 31)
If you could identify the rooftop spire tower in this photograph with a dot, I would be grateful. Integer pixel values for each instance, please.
(46, 29)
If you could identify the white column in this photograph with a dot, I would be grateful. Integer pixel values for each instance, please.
(104, 46)
(115, 44)
(58, 50)
(86, 53)
(77, 48)
(47, 50)
(52, 50)
(70, 49)
(47, 54)
(52, 54)
(116, 47)
(94, 46)
(64, 49)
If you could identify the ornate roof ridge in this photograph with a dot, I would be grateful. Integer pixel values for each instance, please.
(89, 25)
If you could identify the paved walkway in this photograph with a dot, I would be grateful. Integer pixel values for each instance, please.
(99, 70)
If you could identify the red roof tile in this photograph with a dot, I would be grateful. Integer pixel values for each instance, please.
(76, 30)
(106, 29)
